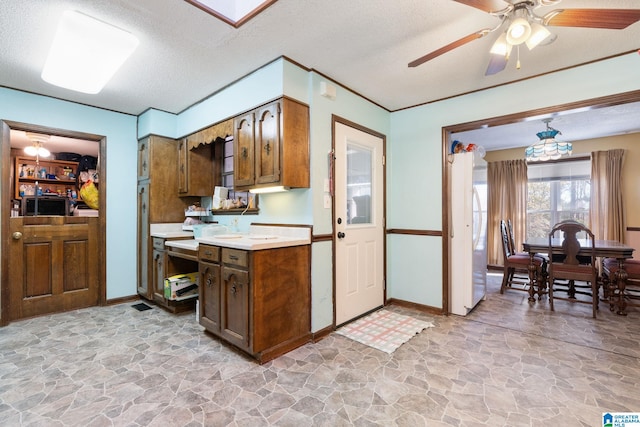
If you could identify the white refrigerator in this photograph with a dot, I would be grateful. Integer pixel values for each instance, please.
(468, 232)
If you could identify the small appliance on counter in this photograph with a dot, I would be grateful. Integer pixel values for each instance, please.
(45, 205)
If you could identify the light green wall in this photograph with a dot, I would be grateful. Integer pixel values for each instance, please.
(121, 171)
(414, 161)
(298, 206)
(415, 154)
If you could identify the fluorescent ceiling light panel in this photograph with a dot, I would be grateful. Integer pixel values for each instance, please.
(86, 53)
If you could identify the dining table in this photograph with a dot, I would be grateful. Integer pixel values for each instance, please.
(603, 249)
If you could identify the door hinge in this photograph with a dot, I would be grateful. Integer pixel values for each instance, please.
(384, 160)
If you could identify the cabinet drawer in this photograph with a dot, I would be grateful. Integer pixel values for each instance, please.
(209, 253)
(158, 243)
(235, 257)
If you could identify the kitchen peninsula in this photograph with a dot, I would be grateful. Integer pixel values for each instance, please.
(255, 288)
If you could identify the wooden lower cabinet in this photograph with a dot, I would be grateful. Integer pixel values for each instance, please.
(209, 288)
(162, 266)
(258, 301)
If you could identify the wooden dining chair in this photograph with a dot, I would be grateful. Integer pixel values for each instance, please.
(515, 273)
(572, 268)
(629, 293)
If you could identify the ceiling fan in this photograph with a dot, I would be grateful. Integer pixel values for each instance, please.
(525, 26)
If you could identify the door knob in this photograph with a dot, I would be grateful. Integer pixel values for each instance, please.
(340, 235)
(16, 235)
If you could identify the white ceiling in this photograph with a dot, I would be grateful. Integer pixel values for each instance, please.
(185, 54)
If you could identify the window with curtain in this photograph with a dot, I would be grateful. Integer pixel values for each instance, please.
(556, 192)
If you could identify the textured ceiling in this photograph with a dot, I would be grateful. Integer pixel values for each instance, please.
(185, 54)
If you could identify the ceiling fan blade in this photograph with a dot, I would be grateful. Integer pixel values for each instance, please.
(488, 6)
(447, 48)
(616, 19)
(497, 63)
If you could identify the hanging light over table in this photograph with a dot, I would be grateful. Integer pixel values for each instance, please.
(548, 148)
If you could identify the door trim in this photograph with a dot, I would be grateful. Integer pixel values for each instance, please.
(335, 120)
(5, 204)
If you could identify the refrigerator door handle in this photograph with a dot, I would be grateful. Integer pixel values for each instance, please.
(477, 227)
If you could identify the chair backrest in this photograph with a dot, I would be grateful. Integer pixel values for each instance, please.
(506, 246)
(512, 240)
(570, 245)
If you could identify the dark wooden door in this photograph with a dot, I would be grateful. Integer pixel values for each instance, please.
(54, 265)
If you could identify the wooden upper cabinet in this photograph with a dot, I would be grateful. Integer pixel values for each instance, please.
(243, 151)
(199, 160)
(195, 168)
(183, 186)
(268, 144)
(143, 159)
(271, 146)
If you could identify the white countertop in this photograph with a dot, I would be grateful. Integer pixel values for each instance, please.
(171, 230)
(189, 244)
(261, 237)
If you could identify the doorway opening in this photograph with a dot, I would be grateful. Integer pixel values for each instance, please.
(521, 117)
(52, 260)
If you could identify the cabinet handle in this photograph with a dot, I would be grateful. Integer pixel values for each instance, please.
(208, 253)
(233, 289)
(244, 152)
(267, 148)
(144, 166)
(233, 257)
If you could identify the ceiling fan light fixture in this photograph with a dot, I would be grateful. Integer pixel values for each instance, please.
(518, 31)
(538, 34)
(501, 46)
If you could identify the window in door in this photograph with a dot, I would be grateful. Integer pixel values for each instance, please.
(556, 192)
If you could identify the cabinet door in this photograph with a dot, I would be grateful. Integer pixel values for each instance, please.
(243, 151)
(235, 315)
(183, 167)
(209, 296)
(158, 275)
(268, 144)
(143, 159)
(143, 240)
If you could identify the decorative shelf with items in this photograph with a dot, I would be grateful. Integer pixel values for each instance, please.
(53, 177)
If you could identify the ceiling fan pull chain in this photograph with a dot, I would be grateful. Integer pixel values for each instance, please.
(518, 61)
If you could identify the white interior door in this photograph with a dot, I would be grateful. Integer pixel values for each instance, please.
(359, 227)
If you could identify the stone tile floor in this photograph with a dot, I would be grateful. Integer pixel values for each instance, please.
(509, 363)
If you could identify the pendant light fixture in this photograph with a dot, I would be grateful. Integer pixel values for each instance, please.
(548, 148)
(36, 149)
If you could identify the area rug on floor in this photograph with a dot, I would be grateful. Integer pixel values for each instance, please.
(384, 330)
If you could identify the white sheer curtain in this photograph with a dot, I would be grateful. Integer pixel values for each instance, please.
(607, 205)
(507, 199)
